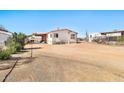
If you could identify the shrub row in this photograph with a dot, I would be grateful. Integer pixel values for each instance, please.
(5, 54)
(14, 44)
(14, 47)
(11, 49)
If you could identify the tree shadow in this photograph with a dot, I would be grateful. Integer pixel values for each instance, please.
(25, 60)
(32, 48)
(22, 51)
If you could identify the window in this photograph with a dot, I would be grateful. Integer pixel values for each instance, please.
(56, 35)
(73, 36)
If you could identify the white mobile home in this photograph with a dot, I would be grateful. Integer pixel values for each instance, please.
(61, 36)
(93, 36)
(4, 35)
(107, 36)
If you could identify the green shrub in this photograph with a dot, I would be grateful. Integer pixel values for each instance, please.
(14, 47)
(5, 54)
(18, 47)
(120, 39)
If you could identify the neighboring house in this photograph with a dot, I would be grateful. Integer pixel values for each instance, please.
(4, 35)
(113, 36)
(38, 38)
(107, 36)
(58, 36)
(93, 36)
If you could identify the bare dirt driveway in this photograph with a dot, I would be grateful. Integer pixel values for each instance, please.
(74, 62)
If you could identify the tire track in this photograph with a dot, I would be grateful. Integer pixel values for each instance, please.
(7, 75)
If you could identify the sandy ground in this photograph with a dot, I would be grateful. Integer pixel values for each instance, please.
(74, 62)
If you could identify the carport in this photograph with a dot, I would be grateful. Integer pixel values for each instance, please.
(43, 36)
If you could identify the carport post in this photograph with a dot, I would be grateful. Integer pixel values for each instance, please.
(31, 50)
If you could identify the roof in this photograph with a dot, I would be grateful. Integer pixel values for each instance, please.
(62, 30)
(112, 32)
(3, 30)
(39, 34)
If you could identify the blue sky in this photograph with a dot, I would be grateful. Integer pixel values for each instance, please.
(29, 21)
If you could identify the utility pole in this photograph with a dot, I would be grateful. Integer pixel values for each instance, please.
(87, 36)
(69, 37)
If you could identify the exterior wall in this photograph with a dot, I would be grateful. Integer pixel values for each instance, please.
(114, 34)
(64, 36)
(72, 40)
(3, 37)
(49, 39)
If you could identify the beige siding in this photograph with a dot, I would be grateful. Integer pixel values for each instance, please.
(63, 36)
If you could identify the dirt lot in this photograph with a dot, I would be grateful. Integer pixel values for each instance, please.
(74, 62)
